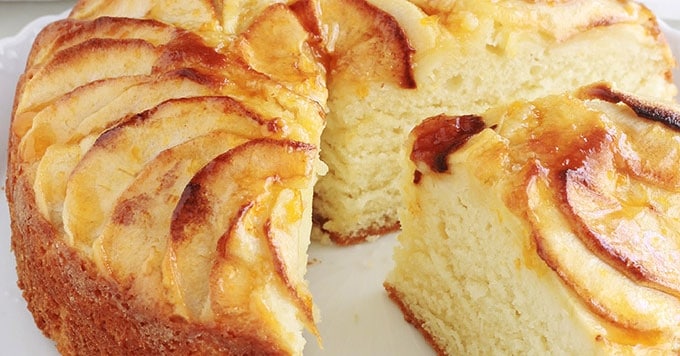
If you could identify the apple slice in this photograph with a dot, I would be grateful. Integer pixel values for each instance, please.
(653, 141)
(69, 32)
(589, 215)
(134, 239)
(628, 222)
(252, 240)
(365, 42)
(197, 16)
(51, 175)
(52, 124)
(120, 153)
(95, 59)
(632, 312)
(290, 253)
(102, 104)
(208, 229)
(92, 9)
(277, 45)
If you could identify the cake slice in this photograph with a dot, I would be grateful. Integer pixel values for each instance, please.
(544, 227)
(161, 176)
(394, 62)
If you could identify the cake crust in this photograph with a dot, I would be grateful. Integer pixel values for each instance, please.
(411, 318)
(103, 270)
(56, 282)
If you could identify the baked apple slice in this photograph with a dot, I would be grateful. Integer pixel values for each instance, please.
(135, 238)
(119, 154)
(214, 232)
(632, 225)
(69, 32)
(202, 13)
(601, 228)
(631, 311)
(94, 59)
(102, 104)
(277, 44)
(365, 42)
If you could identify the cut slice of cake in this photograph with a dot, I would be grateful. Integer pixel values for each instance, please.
(161, 178)
(457, 57)
(544, 227)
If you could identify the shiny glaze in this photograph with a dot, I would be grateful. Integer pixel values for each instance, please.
(439, 136)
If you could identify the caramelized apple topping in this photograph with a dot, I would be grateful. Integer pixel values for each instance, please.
(643, 108)
(594, 210)
(595, 173)
(439, 136)
(365, 43)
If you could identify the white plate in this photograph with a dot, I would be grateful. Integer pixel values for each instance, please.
(346, 282)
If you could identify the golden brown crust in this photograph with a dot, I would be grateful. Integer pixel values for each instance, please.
(65, 293)
(410, 317)
(356, 237)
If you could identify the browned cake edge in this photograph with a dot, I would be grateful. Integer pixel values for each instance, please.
(356, 237)
(410, 317)
(88, 314)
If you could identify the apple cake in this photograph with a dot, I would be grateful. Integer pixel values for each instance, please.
(161, 174)
(167, 158)
(544, 227)
(457, 57)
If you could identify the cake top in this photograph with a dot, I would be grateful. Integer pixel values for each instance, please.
(593, 173)
(170, 151)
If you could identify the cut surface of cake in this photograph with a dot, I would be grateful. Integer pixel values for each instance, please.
(161, 176)
(457, 57)
(544, 227)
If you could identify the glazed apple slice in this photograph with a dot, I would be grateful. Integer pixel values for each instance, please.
(287, 236)
(52, 123)
(202, 12)
(51, 175)
(646, 126)
(83, 100)
(630, 223)
(208, 229)
(365, 42)
(69, 32)
(102, 104)
(134, 239)
(96, 8)
(277, 45)
(120, 153)
(95, 59)
(59, 142)
(565, 163)
(629, 309)
(257, 237)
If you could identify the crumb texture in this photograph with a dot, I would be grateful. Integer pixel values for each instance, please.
(562, 242)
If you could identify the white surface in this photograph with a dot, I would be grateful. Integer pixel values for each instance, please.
(346, 282)
(15, 15)
(665, 9)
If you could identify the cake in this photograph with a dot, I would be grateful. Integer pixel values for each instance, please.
(160, 179)
(544, 227)
(169, 161)
(457, 57)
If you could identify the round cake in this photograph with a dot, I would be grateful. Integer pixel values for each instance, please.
(170, 161)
